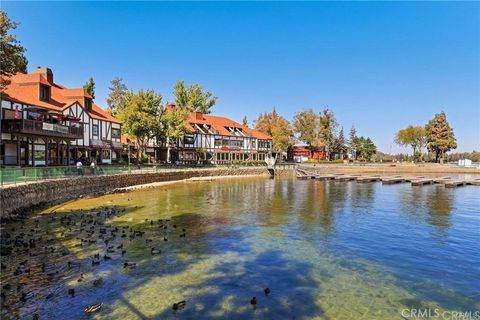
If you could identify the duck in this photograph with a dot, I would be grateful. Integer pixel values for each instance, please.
(98, 282)
(131, 265)
(253, 301)
(105, 257)
(71, 292)
(81, 278)
(95, 263)
(26, 296)
(266, 291)
(179, 305)
(155, 251)
(93, 308)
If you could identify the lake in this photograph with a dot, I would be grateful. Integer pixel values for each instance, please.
(325, 249)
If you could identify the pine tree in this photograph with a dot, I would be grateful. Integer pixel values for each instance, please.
(90, 87)
(340, 146)
(440, 137)
(245, 121)
(366, 149)
(116, 96)
(353, 142)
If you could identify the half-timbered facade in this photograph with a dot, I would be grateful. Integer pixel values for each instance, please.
(44, 123)
(217, 139)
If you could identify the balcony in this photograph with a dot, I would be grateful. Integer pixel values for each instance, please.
(40, 128)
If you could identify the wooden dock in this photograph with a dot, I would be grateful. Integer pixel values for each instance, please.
(447, 181)
(393, 180)
(364, 179)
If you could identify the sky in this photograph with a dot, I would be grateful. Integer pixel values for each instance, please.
(380, 66)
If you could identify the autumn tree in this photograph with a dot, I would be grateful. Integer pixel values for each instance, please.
(440, 137)
(328, 125)
(414, 137)
(193, 98)
(140, 115)
(12, 58)
(116, 96)
(278, 128)
(306, 124)
(89, 86)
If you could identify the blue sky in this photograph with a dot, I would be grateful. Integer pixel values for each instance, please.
(378, 65)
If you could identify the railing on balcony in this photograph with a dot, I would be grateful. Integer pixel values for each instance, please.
(42, 128)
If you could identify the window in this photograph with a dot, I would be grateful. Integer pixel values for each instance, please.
(264, 144)
(95, 130)
(115, 133)
(188, 140)
(39, 155)
(44, 93)
(218, 142)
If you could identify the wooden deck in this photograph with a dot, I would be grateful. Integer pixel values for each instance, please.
(447, 181)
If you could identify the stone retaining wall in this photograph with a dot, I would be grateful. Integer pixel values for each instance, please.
(17, 200)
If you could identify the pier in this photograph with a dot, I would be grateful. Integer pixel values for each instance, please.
(447, 181)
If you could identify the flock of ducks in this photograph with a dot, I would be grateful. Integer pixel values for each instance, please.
(40, 252)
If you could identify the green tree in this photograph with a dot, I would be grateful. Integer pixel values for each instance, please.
(440, 136)
(413, 136)
(328, 125)
(366, 149)
(245, 121)
(353, 142)
(306, 125)
(116, 96)
(89, 86)
(193, 98)
(278, 128)
(12, 58)
(171, 126)
(141, 116)
(340, 144)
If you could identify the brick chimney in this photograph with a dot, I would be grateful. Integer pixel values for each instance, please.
(46, 72)
(198, 116)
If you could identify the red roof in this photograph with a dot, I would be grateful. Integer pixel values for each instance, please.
(221, 125)
(24, 88)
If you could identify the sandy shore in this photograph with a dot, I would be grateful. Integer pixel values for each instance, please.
(190, 180)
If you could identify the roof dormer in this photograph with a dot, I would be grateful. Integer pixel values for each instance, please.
(44, 92)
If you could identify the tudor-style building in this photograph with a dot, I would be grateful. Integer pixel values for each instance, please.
(44, 123)
(217, 139)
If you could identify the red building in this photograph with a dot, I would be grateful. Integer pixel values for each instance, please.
(302, 152)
